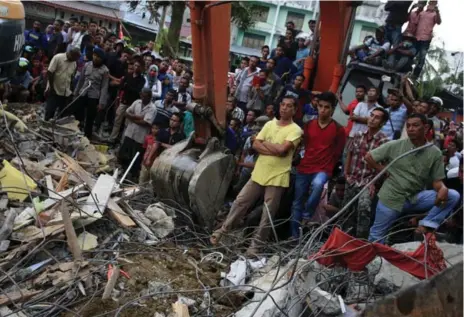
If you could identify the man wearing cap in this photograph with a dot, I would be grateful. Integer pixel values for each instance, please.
(92, 90)
(400, 57)
(60, 76)
(17, 89)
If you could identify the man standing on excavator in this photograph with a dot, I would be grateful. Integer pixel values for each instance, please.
(271, 175)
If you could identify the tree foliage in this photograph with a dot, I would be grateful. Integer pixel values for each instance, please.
(244, 14)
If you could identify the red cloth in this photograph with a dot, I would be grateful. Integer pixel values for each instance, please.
(350, 108)
(151, 150)
(323, 147)
(355, 254)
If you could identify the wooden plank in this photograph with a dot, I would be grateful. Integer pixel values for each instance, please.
(120, 215)
(51, 189)
(58, 174)
(17, 297)
(70, 234)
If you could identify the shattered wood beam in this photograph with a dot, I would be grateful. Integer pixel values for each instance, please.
(17, 297)
(50, 188)
(71, 234)
(114, 210)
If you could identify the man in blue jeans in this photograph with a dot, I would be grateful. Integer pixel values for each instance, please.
(324, 140)
(398, 15)
(403, 190)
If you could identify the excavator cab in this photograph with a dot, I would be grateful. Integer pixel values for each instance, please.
(367, 75)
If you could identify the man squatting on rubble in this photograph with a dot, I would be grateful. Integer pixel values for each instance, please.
(404, 187)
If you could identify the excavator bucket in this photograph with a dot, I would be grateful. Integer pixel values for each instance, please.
(194, 178)
(195, 174)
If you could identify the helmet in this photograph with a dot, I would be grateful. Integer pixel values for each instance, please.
(437, 101)
(29, 49)
(23, 62)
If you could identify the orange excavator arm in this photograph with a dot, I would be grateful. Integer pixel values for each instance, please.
(335, 25)
(210, 22)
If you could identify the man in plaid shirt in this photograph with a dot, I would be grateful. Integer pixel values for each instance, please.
(357, 218)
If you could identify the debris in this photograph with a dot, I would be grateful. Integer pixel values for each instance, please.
(50, 188)
(87, 241)
(71, 235)
(20, 125)
(98, 199)
(111, 283)
(16, 184)
(7, 227)
(17, 297)
(161, 223)
(180, 309)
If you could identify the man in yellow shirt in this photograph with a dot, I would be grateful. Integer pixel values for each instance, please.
(275, 144)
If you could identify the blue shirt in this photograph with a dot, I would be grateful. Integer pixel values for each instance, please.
(397, 120)
(302, 53)
(35, 39)
(284, 65)
(23, 80)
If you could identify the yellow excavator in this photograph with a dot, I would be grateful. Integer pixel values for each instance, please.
(12, 26)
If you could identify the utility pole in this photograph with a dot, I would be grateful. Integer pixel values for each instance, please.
(276, 17)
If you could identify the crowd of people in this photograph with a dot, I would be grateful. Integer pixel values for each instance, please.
(395, 50)
(290, 152)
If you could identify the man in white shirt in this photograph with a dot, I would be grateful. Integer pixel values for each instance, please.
(363, 111)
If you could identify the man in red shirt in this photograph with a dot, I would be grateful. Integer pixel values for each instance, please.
(324, 140)
(360, 95)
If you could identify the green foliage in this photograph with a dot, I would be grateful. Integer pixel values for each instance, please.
(244, 14)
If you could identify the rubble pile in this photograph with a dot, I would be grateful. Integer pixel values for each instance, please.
(76, 239)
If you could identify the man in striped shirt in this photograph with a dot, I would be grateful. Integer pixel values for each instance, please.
(234, 112)
(398, 112)
(165, 109)
(357, 218)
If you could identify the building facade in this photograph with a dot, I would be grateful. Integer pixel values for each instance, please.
(271, 22)
(104, 13)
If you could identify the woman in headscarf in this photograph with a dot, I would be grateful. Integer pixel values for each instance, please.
(152, 82)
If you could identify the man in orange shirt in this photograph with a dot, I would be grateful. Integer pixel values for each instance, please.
(424, 33)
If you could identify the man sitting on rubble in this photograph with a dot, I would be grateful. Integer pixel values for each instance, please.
(403, 191)
(372, 50)
(271, 175)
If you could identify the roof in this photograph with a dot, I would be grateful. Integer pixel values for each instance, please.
(242, 50)
(86, 8)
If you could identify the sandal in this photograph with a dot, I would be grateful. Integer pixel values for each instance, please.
(216, 236)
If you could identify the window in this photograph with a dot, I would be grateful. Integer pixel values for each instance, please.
(262, 13)
(365, 31)
(253, 40)
(297, 18)
(110, 26)
(62, 15)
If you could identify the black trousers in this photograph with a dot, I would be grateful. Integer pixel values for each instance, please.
(55, 102)
(86, 112)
